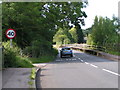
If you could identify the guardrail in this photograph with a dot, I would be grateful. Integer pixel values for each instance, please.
(94, 50)
(85, 46)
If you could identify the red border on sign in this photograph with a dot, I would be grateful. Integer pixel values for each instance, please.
(9, 37)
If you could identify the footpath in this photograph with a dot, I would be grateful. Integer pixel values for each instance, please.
(17, 78)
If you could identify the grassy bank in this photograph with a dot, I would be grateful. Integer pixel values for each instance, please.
(42, 59)
(114, 53)
(13, 58)
(17, 61)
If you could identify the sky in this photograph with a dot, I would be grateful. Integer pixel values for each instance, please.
(100, 8)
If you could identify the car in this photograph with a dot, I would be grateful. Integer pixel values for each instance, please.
(65, 51)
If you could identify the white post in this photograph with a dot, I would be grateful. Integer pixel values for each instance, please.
(11, 43)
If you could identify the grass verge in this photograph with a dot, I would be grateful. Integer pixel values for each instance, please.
(114, 53)
(32, 76)
(23, 62)
(31, 82)
(42, 59)
(13, 58)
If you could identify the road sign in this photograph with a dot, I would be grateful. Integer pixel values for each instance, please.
(10, 33)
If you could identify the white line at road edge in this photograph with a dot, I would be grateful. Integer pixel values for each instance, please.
(94, 65)
(111, 72)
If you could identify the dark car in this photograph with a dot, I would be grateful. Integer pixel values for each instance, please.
(65, 51)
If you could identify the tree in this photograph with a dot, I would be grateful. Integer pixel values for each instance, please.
(38, 22)
(87, 31)
(61, 37)
(68, 12)
(77, 34)
(73, 32)
(104, 33)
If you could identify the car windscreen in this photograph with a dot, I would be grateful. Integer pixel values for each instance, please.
(66, 49)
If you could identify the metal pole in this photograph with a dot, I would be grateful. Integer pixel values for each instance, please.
(11, 43)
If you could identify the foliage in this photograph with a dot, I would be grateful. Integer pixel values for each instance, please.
(61, 37)
(36, 23)
(87, 31)
(32, 75)
(90, 40)
(14, 49)
(73, 32)
(45, 58)
(12, 56)
(42, 59)
(38, 48)
(66, 36)
(79, 34)
(104, 34)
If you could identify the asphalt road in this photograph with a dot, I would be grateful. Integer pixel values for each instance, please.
(80, 71)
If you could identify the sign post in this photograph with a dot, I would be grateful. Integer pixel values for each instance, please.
(11, 43)
(10, 34)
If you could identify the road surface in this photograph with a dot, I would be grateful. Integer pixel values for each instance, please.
(81, 71)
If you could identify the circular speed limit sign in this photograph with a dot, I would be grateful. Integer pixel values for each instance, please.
(10, 33)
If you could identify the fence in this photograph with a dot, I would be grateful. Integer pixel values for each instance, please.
(95, 50)
(85, 46)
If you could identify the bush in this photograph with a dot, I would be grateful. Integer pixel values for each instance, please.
(55, 51)
(39, 48)
(12, 56)
(45, 58)
(15, 49)
(9, 58)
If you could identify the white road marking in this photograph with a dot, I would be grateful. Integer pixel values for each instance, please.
(73, 59)
(97, 66)
(81, 60)
(58, 60)
(94, 66)
(111, 72)
(86, 63)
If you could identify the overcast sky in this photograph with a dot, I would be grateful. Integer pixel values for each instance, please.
(100, 8)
